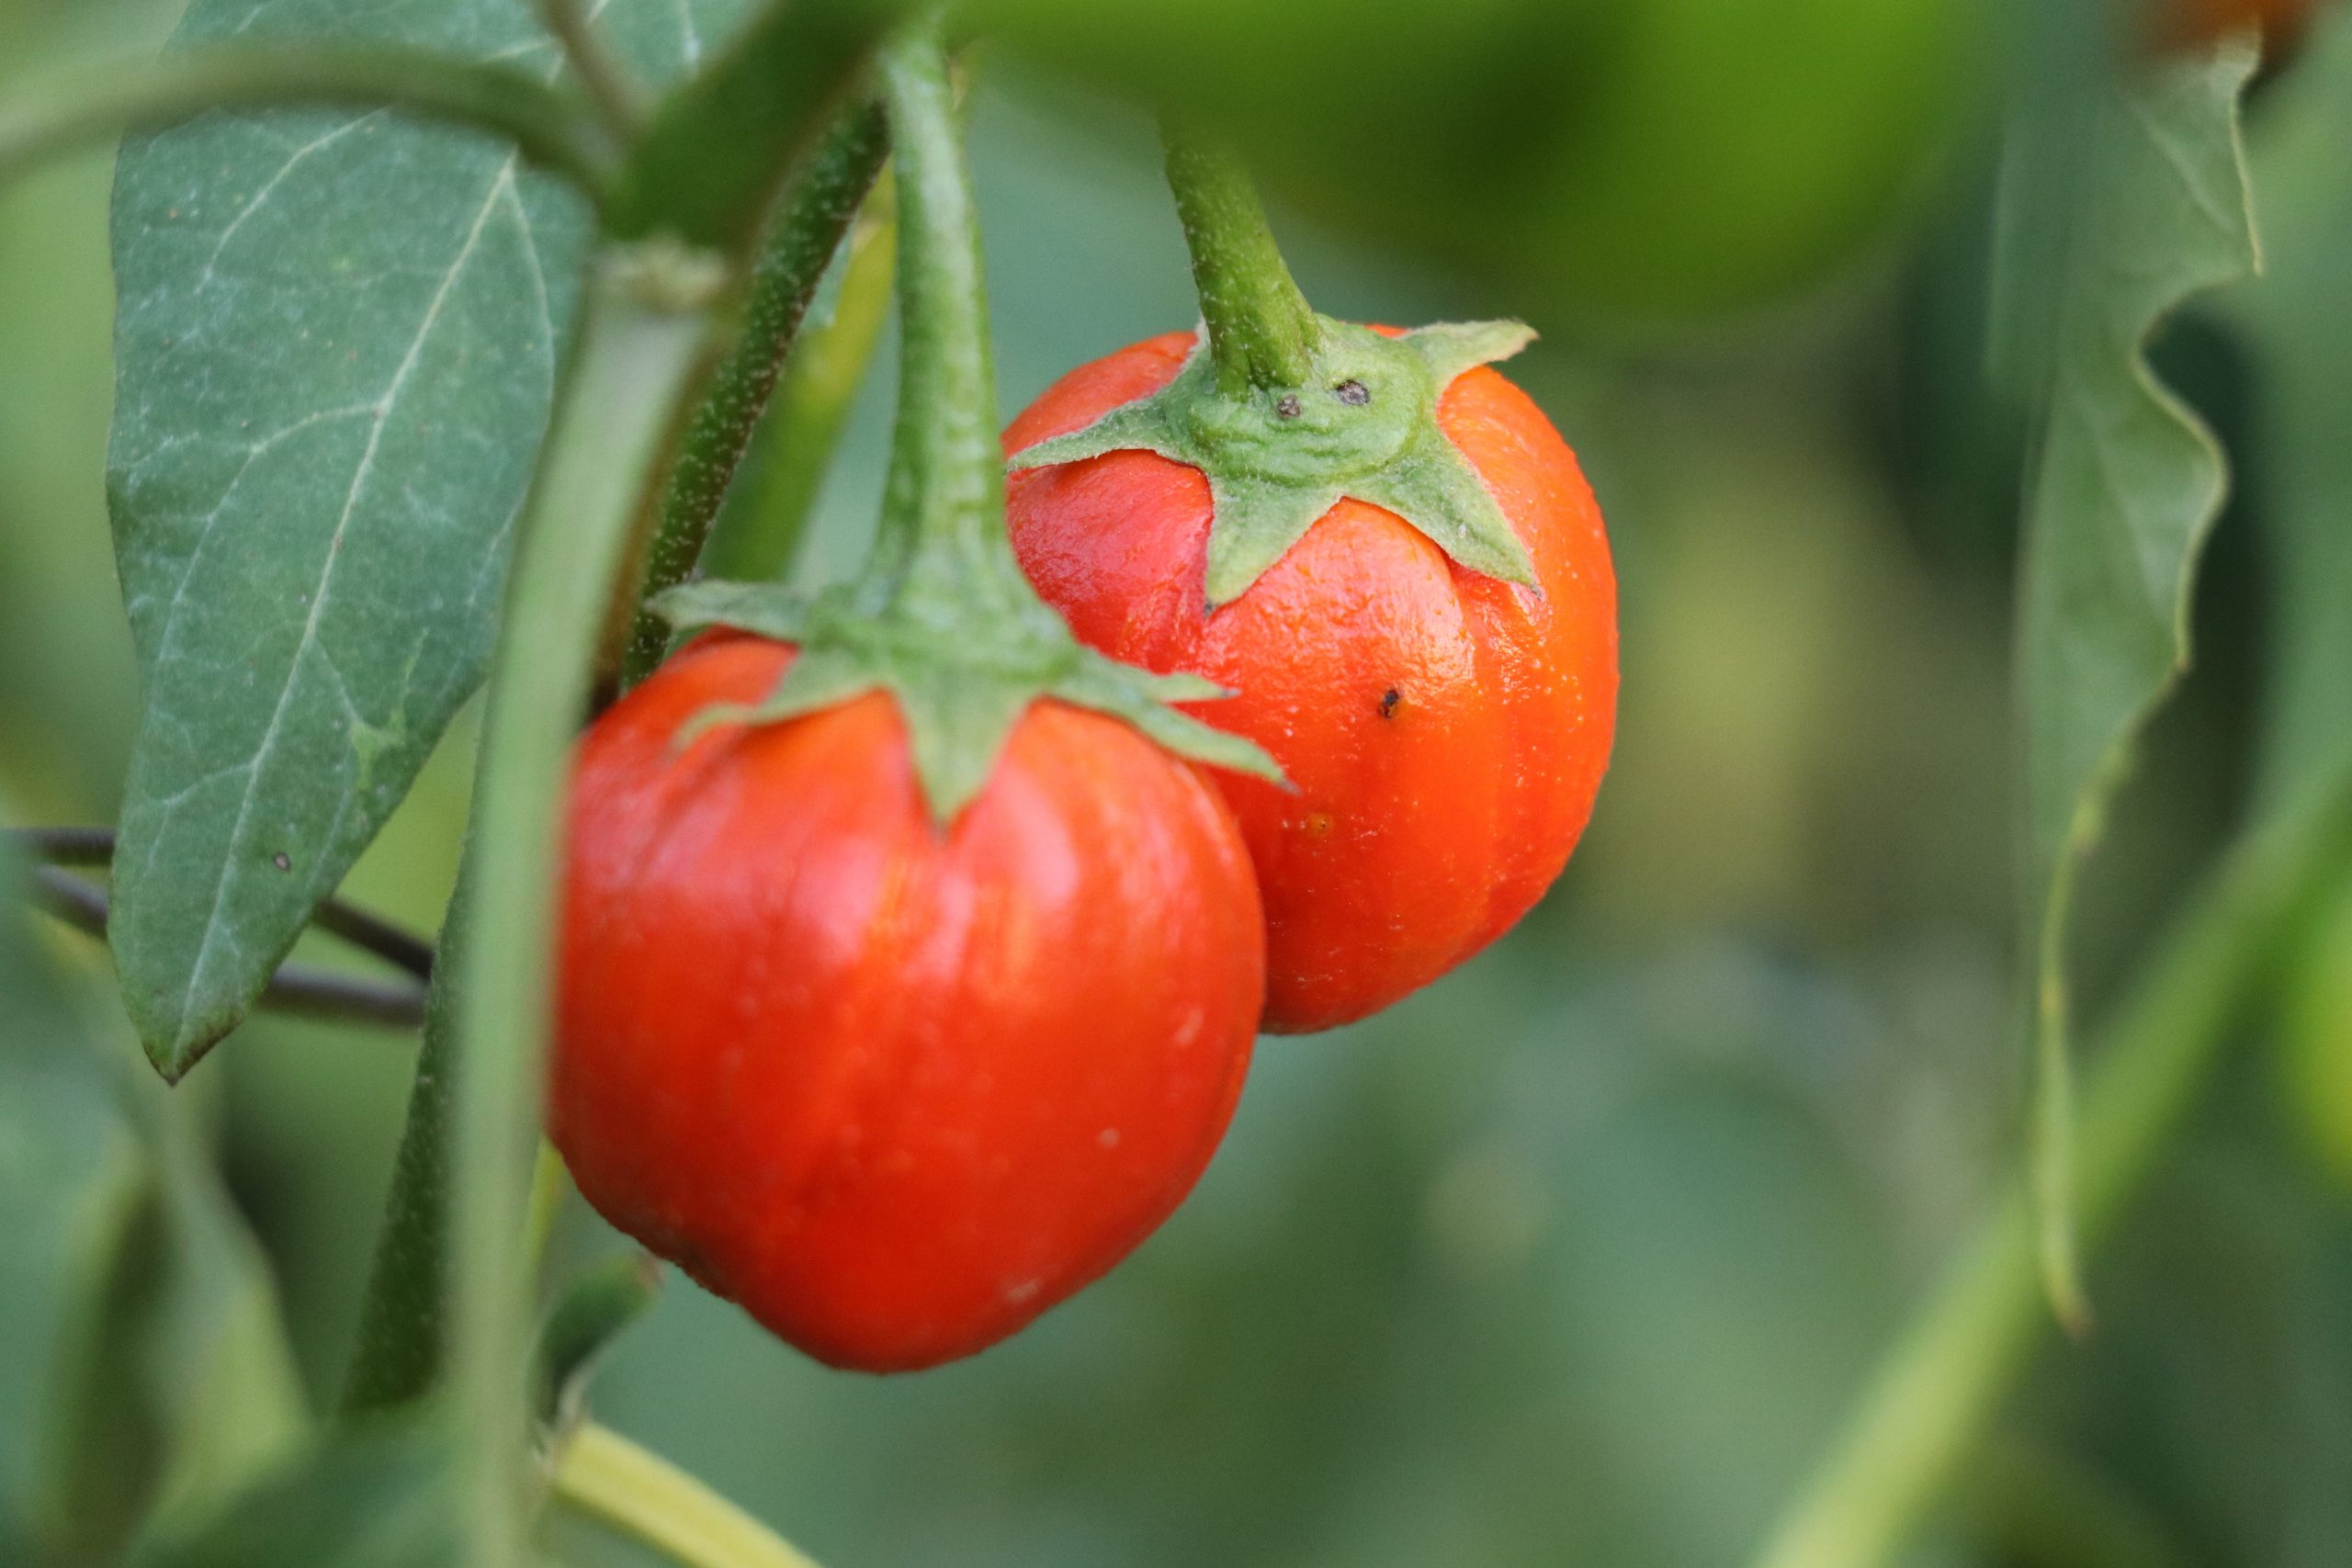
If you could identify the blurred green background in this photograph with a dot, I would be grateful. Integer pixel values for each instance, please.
(1578, 1257)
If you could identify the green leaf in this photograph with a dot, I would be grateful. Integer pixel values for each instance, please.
(336, 343)
(226, 1398)
(2305, 366)
(381, 1496)
(137, 1315)
(72, 1177)
(2123, 488)
(581, 1328)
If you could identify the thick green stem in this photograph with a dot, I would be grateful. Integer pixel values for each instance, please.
(798, 247)
(647, 1498)
(757, 539)
(1262, 331)
(941, 556)
(552, 129)
(629, 371)
(1941, 1386)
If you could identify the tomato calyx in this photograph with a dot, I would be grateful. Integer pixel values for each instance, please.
(1361, 423)
(960, 689)
(942, 618)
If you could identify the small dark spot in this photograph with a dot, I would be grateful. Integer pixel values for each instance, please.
(1388, 700)
(1288, 407)
(282, 861)
(1318, 824)
(1355, 394)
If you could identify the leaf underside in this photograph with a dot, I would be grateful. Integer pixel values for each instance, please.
(336, 346)
(2125, 485)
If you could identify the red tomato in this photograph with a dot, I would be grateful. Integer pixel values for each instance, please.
(1446, 731)
(895, 1091)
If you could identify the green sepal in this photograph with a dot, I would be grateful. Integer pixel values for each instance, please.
(1364, 424)
(960, 692)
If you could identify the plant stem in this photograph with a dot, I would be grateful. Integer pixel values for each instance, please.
(608, 86)
(756, 540)
(1943, 1384)
(398, 1350)
(942, 554)
(550, 128)
(721, 146)
(295, 987)
(369, 933)
(650, 1500)
(1262, 331)
(65, 846)
(628, 372)
(799, 245)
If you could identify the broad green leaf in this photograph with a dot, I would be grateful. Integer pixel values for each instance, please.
(2124, 485)
(380, 1495)
(336, 346)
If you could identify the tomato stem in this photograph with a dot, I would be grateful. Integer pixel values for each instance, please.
(1941, 1386)
(630, 369)
(941, 556)
(942, 617)
(1261, 332)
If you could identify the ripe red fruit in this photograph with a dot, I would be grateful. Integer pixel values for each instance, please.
(1446, 731)
(895, 1089)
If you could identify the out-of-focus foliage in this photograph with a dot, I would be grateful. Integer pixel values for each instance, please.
(1623, 166)
(142, 1362)
(2116, 205)
(1576, 1258)
(381, 1496)
(2307, 378)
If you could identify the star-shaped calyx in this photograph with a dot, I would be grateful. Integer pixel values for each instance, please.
(1361, 424)
(961, 683)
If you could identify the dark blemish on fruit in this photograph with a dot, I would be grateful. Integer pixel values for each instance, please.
(282, 861)
(1355, 394)
(1288, 407)
(1388, 700)
(1318, 824)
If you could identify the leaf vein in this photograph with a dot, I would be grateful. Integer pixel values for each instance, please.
(214, 927)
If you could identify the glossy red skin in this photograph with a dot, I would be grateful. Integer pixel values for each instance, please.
(895, 1092)
(1421, 829)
